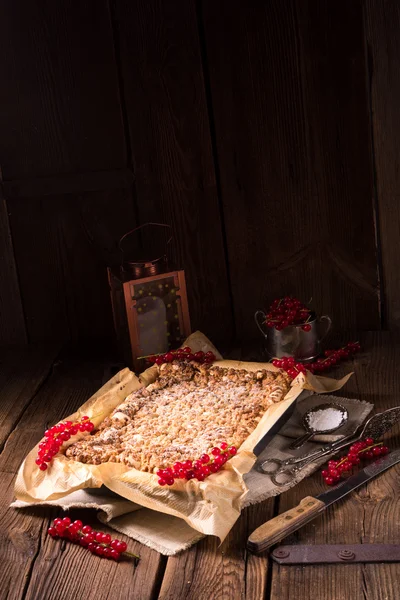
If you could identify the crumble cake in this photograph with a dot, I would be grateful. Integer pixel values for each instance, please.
(187, 411)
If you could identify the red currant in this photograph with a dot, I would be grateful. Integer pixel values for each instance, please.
(114, 544)
(106, 539)
(86, 529)
(122, 547)
(52, 531)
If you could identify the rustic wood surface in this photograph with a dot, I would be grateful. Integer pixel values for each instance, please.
(61, 108)
(44, 386)
(294, 154)
(12, 321)
(265, 133)
(171, 146)
(382, 26)
(70, 240)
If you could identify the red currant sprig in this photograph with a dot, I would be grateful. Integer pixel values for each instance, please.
(184, 354)
(288, 311)
(332, 357)
(56, 436)
(199, 469)
(364, 450)
(96, 542)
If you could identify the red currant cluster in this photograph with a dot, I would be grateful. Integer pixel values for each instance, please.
(56, 436)
(332, 357)
(199, 469)
(182, 354)
(366, 450)
(288, 311)
(97, 542)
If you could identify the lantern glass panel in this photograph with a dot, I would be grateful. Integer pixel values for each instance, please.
(159, 314)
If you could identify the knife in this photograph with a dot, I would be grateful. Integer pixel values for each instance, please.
(279, 527)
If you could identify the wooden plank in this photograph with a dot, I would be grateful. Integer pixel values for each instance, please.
(51, 575)
(366, 516)
(224, 572)
(169, 127)
(60, 96)
(73, 183)
(63, 245)
(288, 88)
(22, 373)
(32, 563)
(382, 22)
(66, 389)
(12, 322)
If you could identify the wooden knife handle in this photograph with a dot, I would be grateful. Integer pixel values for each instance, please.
(279, 527)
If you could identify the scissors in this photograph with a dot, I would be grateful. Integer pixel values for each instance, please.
(282, 472)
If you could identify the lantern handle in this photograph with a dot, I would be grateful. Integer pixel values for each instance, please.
(140, 227)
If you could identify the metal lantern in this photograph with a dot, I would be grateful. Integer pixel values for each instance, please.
(149, 301)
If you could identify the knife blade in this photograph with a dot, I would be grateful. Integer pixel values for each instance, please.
(286, 523)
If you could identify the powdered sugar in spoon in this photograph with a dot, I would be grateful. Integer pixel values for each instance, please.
(324, 418)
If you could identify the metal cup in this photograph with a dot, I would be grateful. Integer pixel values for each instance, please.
(292, 340)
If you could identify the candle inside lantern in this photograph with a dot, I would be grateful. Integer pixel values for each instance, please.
(153, 326)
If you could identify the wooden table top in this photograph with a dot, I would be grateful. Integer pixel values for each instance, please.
(40, 386)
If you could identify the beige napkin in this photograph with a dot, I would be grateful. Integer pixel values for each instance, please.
(170, 535)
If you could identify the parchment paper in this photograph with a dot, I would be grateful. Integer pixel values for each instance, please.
(210, 507)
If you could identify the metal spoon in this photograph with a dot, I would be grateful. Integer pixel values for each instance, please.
(320, 420)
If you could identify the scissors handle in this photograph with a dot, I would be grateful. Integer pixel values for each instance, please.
(276, 465)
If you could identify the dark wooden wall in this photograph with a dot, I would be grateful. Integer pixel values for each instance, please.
(265, 132)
